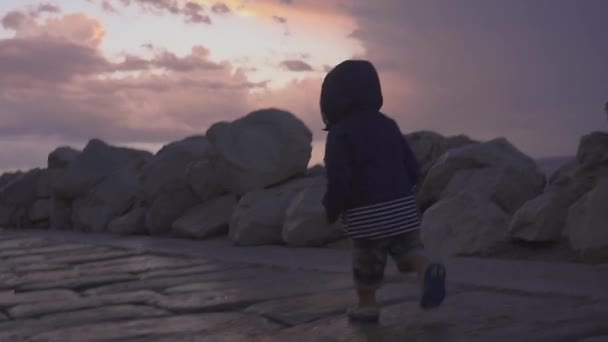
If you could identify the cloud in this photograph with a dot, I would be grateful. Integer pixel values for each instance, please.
(534, 72)
(191, 11)
(78, 27)
(108, 7)
(296, 65)
(279, 19)
(60, 89)
(220, 8)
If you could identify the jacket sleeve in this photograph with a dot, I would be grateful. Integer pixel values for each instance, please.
(339, 175)
(411, 163)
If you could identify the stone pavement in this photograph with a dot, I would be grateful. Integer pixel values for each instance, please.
(64, 287)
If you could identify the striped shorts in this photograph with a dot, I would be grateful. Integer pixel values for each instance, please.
(382, 220)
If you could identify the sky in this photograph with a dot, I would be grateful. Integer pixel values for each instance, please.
(143, 73)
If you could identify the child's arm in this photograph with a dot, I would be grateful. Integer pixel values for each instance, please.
(339, 175)
(411, 163)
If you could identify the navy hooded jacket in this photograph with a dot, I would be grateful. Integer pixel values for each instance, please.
(368, 160)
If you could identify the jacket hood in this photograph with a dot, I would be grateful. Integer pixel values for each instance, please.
(351, 85)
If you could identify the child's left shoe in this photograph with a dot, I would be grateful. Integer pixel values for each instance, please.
(368, 314)
(433, 291)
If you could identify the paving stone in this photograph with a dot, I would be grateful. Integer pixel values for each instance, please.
(58, 306)
(12, 298)
(242, 294)
(45, 249)
(163, 283)
(136, 264)
(469, 316)
(304, 309)
(145, 328)
(22, 243)
(191, 270)
(74, 282)
(93, 255)
(24, 329)
(241, 328)
(281, 280)
(39, 267)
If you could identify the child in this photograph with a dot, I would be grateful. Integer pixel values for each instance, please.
(371, 173)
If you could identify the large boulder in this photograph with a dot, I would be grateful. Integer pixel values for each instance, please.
(133, 222)
(463, 224)
(563, 173)
(6, 215)
(22, 190)
(17, 197)
(496, 154)
(587, 223)
(261, 149)
(505, 186)
(112, 197)
(173, 200)
(305, 221)
(170, 164)
(96, 161)
(203, 176)
(61, 157)
(428, 146)
(593, 149)
(7, 177)
(61, 214)
(40, 211)
(543, 218)
(208, 219)
(260, 215)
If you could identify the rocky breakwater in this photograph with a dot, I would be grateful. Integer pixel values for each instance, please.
(247, 179)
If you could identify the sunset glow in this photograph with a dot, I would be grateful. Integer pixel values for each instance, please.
(144, 73)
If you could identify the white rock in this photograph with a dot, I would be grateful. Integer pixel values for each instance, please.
(170, 164)
(40, 210)
(587, 223)
(593, 149)
(207, 219)
(263, 148)
(61, 157)
(507, 187)
(543, 218)
(7, 177)
(6, 215)
(96, 161)
(497, 153)
(132, 222)
(174, 200)
(260, 215)
(563, 173)
(463, 224)
(109, 199)
(21, 190)
(61, 214)
(305, 221)
(428, 146)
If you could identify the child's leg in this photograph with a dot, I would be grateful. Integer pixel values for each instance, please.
(408, 252)
(369, 261)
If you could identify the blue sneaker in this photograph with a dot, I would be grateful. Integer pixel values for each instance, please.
(433, 291)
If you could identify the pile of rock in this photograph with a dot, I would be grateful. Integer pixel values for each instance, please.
(248, 178)
(470, 194)
(574, 204)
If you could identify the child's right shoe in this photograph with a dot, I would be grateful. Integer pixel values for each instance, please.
(433, 291)
(370, 314)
